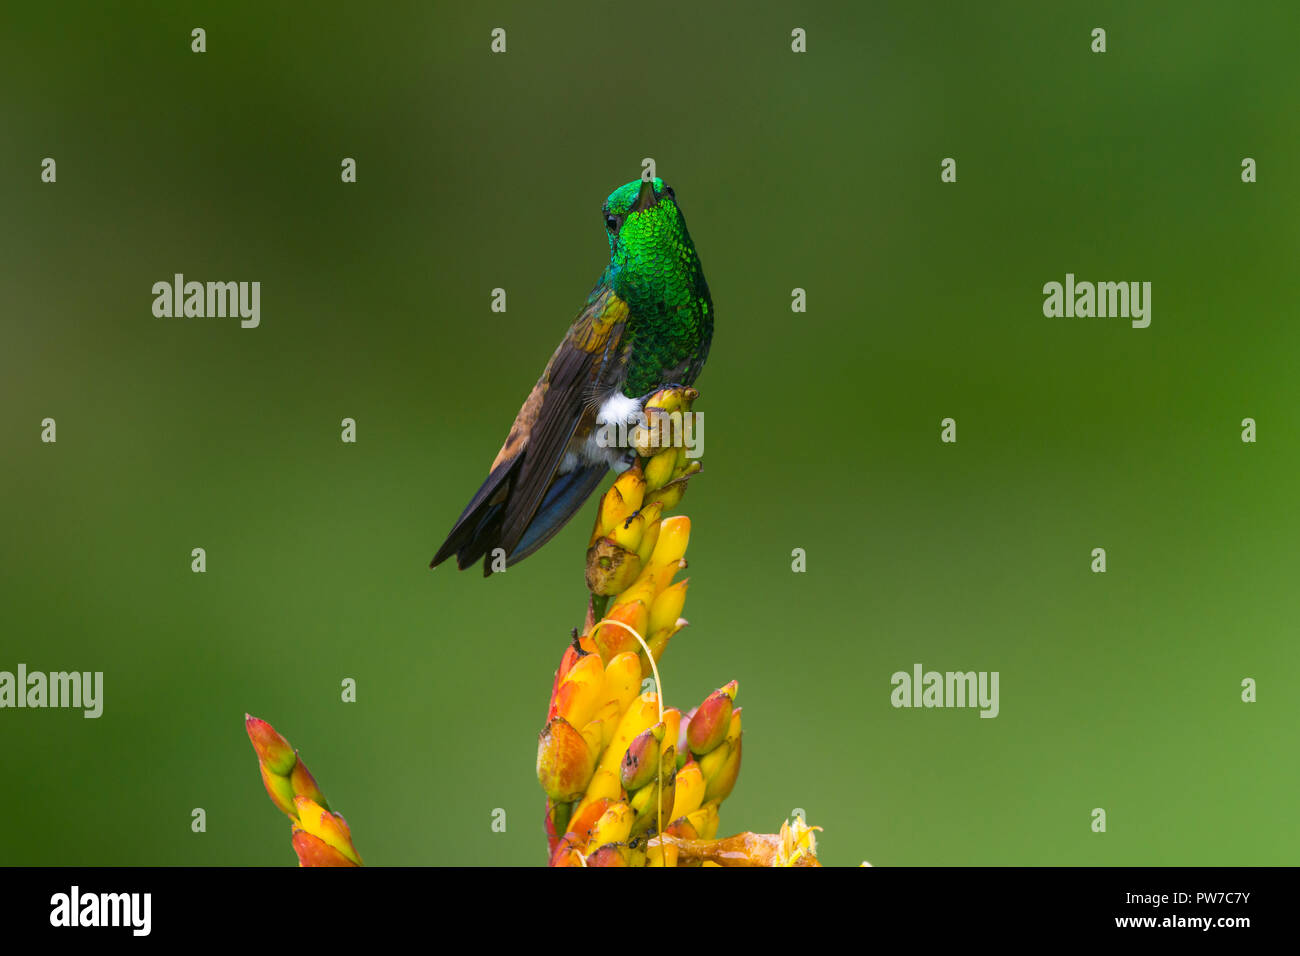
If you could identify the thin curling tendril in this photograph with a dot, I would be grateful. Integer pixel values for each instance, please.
(659, 692)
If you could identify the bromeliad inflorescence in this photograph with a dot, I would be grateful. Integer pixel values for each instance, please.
(628, 781)
(320, 836)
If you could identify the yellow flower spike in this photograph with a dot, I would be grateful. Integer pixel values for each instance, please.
(622, 680)
(581, 691)
(614, 826)
(690, 791)
(641, 715)
(614, 817)
(667, 607)
(325, 826)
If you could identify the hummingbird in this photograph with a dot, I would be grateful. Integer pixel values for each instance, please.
(646, 325)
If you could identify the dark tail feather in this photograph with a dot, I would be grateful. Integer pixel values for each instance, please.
(561, 501)
(478, 529)
(479, 526)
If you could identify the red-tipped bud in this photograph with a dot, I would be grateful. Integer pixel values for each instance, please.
(640, 763)
(611, 854)
(272, 749)
(708, 725)
(313, 851)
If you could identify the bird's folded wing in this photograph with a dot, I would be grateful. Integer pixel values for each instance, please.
(576, 370)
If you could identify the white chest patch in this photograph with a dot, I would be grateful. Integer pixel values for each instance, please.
(619, 408)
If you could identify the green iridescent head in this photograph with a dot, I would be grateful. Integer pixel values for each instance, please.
(634, 206)
(649, 247)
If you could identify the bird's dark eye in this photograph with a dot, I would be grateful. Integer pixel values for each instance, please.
(611, 223)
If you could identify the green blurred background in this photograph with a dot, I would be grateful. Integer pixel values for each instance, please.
(820, 171)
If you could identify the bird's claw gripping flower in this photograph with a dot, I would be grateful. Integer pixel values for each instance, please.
(629, 782)
(320, 836)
